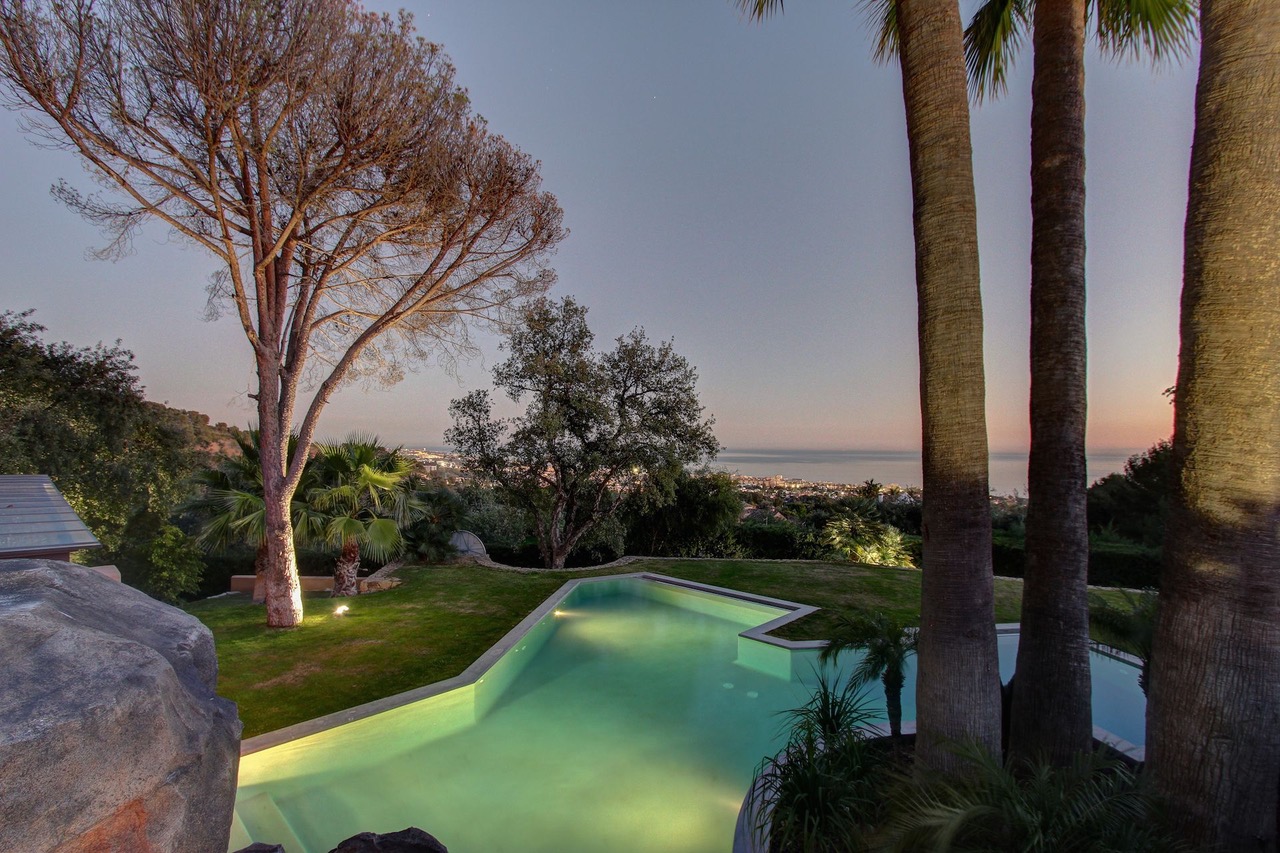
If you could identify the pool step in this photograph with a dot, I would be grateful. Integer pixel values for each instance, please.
(240, 837)
(261, 820)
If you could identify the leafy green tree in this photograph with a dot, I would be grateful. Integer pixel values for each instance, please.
(700, 517)
(498, 524)
(79, 415)
(1051, 705)
(1213, 715)
(232, 507)
(1135, 504)
(596, 428)
(442, 512)
(886, 644)
(175, 565)
(362, 492)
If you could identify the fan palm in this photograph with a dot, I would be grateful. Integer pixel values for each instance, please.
(886, 644)
(869, 541)
(232, 504)
(1092, 804)
(1051, 703)
(360, 488)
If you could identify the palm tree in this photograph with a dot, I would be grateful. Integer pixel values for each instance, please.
(1051, 713)
(867, 540)
(1094, 803)
(886, 644)
(361, 489)
(958, 681)
(1129, 629)
(1213, 718)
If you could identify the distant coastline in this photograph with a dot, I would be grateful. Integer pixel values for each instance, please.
(1007, 470)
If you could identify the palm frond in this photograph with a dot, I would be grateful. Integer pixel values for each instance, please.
(883, 17)
(1094, 804)
(758, 10)
(1165, 30)
(992, 40)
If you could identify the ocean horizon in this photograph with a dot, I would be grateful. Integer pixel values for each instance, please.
(1007, 470)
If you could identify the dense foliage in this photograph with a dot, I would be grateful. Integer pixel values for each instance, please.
(824, 792)
(1134, 505)
(1095, 804)
(79, 415)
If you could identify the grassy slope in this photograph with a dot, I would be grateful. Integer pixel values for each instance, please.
(442, 618)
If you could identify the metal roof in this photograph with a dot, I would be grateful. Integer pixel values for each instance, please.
(35, 519)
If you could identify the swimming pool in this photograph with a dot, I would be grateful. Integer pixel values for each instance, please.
(628, 713)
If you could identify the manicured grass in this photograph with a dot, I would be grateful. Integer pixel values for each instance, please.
(442, 618)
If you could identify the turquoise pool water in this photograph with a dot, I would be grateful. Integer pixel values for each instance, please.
(630, 719)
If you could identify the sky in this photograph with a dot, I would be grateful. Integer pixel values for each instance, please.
(739, 188)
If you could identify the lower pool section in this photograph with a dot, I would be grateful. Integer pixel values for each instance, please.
(624, 721)
(630, 717)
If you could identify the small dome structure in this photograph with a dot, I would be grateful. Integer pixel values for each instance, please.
(467, 544)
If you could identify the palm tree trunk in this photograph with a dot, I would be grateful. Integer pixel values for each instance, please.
(346, 570)
(893, 682)
(1051, 711)
(958, 682)
(1213, 719)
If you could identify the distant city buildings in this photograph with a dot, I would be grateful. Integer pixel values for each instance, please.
(446, 467)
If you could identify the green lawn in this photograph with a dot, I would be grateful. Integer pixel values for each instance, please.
(443, 617)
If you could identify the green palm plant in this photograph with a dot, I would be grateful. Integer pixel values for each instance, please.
(231, 503)
(886, 644)
(823, 793)
(360, 489)
(869, 541)
(1093, 804)
(1051, 698)
(442, 511)
(1130, 629)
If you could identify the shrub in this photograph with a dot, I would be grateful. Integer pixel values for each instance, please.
(778, 540)
(1122, 564)
(868, 541)
(1097, 804)
(824, 791)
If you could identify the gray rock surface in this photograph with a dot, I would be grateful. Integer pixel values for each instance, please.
(411, 840)
(111, 736)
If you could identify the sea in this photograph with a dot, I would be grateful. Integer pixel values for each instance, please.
(1007, 472)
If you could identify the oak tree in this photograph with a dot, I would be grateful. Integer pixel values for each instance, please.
(596, 427)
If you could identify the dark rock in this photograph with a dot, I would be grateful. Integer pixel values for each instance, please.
(411, 840)
(260, 847)
(111, 736)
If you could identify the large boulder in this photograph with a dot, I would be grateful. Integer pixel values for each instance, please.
(111, 737)
(411, 840)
